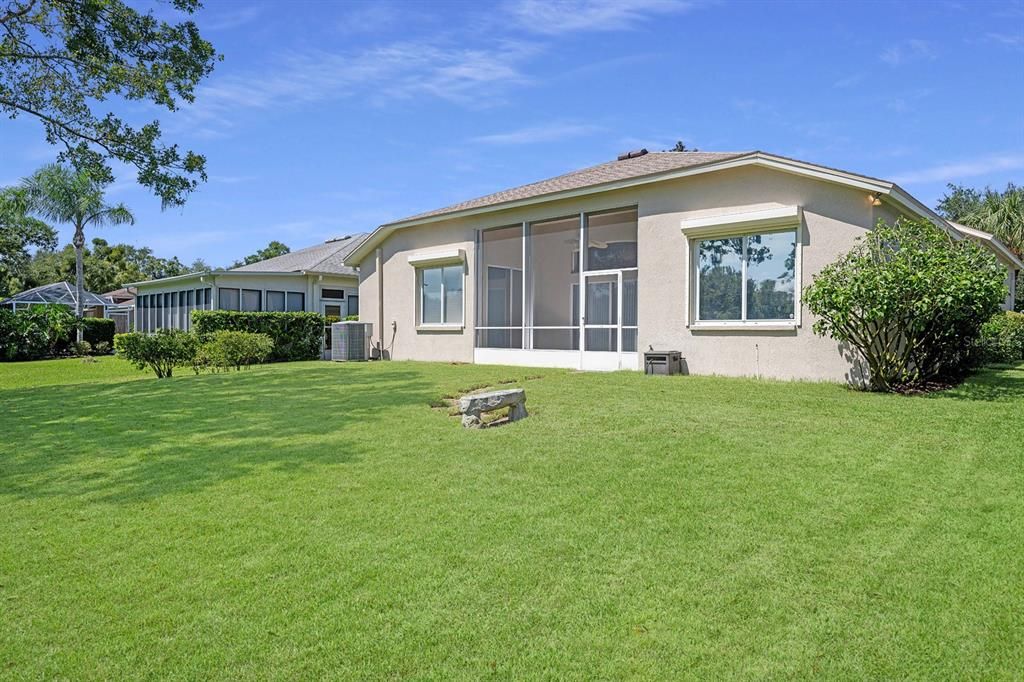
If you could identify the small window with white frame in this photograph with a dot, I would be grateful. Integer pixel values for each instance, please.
(747, 279)
(441, 295)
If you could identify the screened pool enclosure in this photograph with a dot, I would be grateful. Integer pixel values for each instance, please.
(58, 293)
(539, 292)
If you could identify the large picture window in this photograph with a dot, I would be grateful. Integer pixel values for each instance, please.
(441, 295)
(251, 299)
(285, 301)
(748, 278)
(228, 299)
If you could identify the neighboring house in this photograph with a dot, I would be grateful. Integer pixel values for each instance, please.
(705, 253)
(313, 279)
(59, 293)
(122, 310)
(123, 296)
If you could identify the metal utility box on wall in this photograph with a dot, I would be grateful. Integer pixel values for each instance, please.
(663, 362)
(350, 341)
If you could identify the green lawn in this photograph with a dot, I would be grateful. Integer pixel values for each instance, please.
(322, 520)
(70, 371)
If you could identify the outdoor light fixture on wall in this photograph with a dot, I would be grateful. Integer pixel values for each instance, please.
(876, 199)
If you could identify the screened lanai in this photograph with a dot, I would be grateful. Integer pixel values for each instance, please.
(531, 276)
(58, 293)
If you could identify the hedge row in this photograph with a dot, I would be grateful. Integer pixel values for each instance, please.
(98, 330)
(1002, 338)
(296, 336)
(166, 349)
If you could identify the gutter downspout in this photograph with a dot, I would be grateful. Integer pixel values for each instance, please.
(380, 303)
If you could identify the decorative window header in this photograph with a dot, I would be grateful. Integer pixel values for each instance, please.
(742, 221)
(450, 256)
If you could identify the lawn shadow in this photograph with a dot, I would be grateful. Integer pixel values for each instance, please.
(995, 383)
(138, 440)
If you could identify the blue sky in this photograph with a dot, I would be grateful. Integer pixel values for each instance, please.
(331, 118)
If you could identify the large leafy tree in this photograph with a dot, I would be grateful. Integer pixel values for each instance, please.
(107, 266)
(19, 231)
(273, 249)
(74, 198)
(999, 213)
(909, 301)
(61, 60)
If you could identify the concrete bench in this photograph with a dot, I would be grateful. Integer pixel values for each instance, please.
(472, 406)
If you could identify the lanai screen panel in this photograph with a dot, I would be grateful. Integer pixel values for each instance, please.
(611, 240)
(553, 248)
(500, 303)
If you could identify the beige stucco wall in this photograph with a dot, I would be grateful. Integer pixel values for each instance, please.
(833, 217)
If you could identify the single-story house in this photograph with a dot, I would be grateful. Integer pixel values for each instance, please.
(122, 310)
(314, 279)
(704, 253)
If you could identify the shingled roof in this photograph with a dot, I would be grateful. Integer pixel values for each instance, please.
(650, 163)
(327, 258)
(637, 168)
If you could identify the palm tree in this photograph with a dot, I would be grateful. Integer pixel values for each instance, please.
(1001, 214)
(67, 196)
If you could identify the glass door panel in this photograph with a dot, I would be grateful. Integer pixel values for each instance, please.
(629, 325)
(601, 313)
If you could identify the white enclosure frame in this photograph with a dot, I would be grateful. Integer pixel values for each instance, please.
(577, 358)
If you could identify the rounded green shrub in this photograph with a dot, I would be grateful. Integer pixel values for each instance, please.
(226, 349)
(910, 301)
(160, 351)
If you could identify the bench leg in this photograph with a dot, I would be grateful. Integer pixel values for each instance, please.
(471, 420)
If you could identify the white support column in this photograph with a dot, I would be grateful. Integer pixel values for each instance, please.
(527, 300)
(582, 285)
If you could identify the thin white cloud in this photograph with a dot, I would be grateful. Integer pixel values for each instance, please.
(914, 49)
(401, 70)
(370, 18)
(549, 132)
(567, 16)
(1008, 39)
(950, 172)
(232, 179)
(238, 15)
(850, 81)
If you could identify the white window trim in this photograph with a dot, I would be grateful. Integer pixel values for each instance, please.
(731, 231)
(436, 326)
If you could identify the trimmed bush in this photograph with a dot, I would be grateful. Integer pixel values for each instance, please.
(296, 336)
(97, 330)
(81, 348)
(226, 349)
(101, 348)
(38, 332)
(160, 351)
(1002, 338)
(910, 301)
